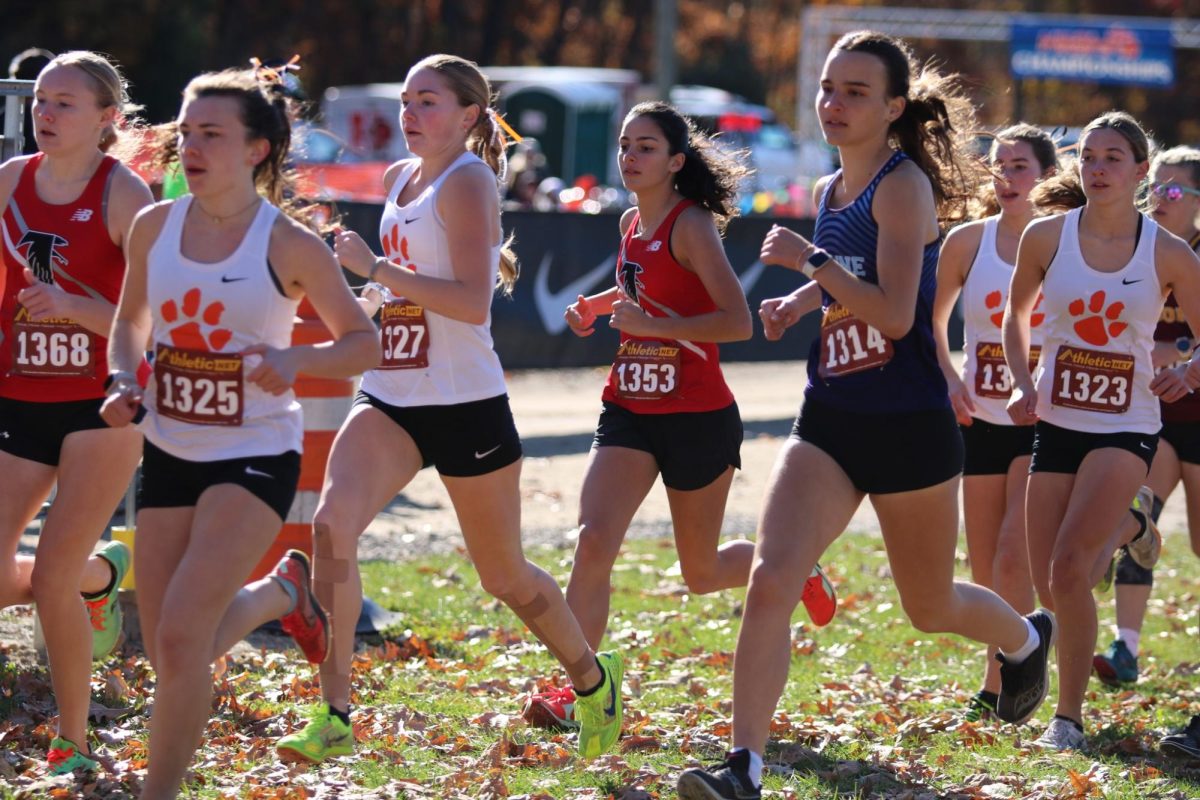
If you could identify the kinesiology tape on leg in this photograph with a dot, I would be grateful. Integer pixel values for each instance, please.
(329, 571)
(532, 614)
(1131, 573)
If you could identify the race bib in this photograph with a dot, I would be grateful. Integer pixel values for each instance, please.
(646, 370)
(51, 348)
(849, 345)
(199, 387)
(404, 335)
(1092, 380)
(992, 377)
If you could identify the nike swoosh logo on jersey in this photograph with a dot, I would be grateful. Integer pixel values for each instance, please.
(410, 221)
(1127, 282)
(253, 471)
(550, 305)
(227, 279)
(486, 453)
(1143, 445)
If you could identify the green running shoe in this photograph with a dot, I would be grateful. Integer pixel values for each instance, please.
(324, 736)
(105, 609)
(64, 757)
(600, 713)
(981, 707)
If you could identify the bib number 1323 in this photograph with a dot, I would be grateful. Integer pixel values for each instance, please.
(849, 345)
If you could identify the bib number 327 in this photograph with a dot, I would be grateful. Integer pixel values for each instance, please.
(404, 335)
(199, 387)
(849, 345)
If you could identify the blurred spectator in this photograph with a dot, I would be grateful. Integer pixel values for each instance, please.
(25, 66)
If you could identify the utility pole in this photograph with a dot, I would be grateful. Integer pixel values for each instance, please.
(666, 22)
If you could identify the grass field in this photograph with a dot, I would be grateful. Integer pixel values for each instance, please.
(871, 710)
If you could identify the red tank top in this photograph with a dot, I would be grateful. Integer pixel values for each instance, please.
(651, 376)
(1172, 325)
(68, 245)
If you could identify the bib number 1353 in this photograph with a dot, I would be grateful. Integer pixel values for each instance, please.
(646, 370)
(849, 345)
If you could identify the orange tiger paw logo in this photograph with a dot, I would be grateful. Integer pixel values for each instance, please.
(1102, 323)
(395, 247)
(188, 334)
(1037, 318)
(995, 300)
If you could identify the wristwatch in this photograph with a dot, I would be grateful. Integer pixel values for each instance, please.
(815, 261)
(1184, 345)
(119, 376)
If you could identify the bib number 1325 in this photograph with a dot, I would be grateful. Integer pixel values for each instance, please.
(849, 345)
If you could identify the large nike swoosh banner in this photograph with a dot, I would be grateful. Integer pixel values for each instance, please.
(565, 255)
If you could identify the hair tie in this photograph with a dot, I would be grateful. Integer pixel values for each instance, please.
(504, 126)
(274, 75)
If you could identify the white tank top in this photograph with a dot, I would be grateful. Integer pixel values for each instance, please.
(429, 359)
(985, 294)
(200, 405)
(1099, 331)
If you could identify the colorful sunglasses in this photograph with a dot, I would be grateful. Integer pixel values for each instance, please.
(1171, 192)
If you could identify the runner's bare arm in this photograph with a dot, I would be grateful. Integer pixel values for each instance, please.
(953, 262)
(1038, 244)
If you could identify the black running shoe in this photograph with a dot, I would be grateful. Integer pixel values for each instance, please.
(729, 780)
(1023, 686)
(1186, 743)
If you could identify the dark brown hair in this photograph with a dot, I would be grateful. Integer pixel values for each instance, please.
(1064, 191)
(710, 176)
(934, 128)
(1045, 150)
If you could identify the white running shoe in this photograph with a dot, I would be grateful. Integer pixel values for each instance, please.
(1061, 735)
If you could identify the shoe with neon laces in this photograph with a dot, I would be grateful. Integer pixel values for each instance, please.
(729, 780)
(553, 708)
(323, 736)
(1116, 665)
(64, 757)
(1023, 685)
(820, 599)
(600, 713)
(1147, 546)
(306, 623)
(981, 707)
(104, 610)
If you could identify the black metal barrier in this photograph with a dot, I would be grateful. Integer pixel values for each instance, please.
(565, 255)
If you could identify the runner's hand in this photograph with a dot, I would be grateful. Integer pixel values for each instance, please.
(353, 252)
(777, 315)
(277, 371)
(628, 317)
(1022, 406)
(960, 399)
(581, 317)
(122, 405)
(785, 248)
(44, 300)
(1171, 385)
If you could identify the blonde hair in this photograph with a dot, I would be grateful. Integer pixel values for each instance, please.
(485, 139)
(124, 135)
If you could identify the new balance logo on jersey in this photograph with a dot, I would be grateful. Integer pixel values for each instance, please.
(81, 215)
(42, 251)
(654, 246)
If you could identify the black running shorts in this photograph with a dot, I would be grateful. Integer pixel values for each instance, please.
(1185, 438)
(35, 431)
(461, 440)
(692, 448)
(991, 448)
(170, 482)
(1058, 449)
(885, 453)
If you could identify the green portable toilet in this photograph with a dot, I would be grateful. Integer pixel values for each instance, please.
(574, 122)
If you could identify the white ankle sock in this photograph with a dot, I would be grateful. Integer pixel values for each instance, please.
(1026, 650)
(1131, 638)
(756, 768)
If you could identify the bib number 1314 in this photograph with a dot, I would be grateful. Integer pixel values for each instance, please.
(849, 345)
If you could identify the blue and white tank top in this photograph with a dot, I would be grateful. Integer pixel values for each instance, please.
(852, 365)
